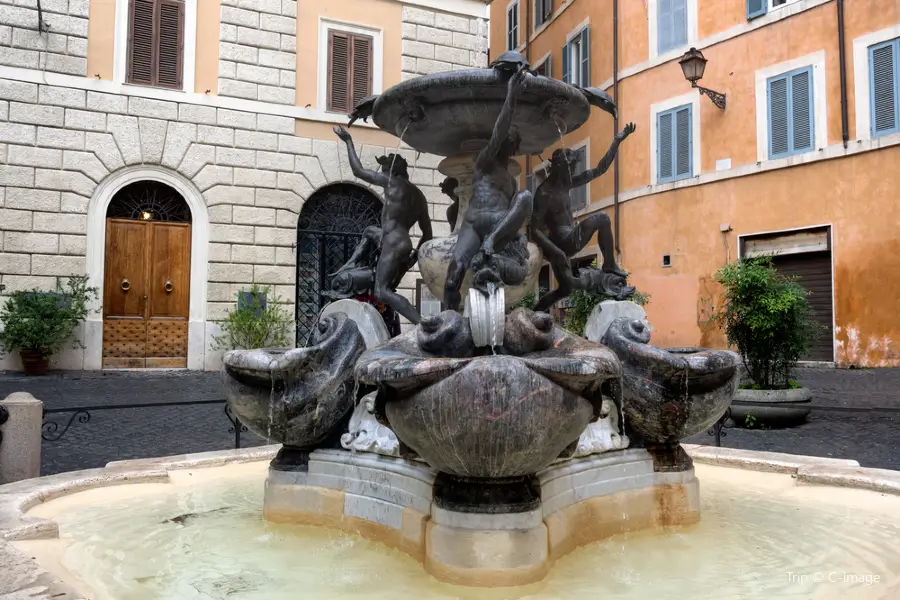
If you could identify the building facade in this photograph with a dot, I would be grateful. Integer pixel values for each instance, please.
(801, 163)
(178, 151)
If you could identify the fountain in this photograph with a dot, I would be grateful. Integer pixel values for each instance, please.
(485, 446)
(472, 434)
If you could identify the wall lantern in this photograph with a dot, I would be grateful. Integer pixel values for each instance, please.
(693, 64)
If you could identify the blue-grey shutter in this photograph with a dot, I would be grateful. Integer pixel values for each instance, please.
(679, 23)
(756, 8)
(779, 117)
(683, 143)
(664, 25)
(665, 146)
(884, 85)
(566, 73)
(548, 66)
(586, 57)
(578, 196)
(803, 138)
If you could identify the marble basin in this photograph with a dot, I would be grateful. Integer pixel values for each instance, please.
(299, 397)
(489, 416)
(670, 395)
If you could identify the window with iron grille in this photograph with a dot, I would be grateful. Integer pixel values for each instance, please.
(512, 26)
(791, 121)
(884, 87)
(156, 43)
(350, 60)
(674, 144)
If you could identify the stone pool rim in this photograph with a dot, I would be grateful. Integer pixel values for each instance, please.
(16, 499)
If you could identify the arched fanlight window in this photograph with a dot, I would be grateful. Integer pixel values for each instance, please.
(149, 201)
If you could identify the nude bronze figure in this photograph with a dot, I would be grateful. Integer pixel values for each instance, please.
(404, 206)
(553, 226)
(448, 187)
(496, 212)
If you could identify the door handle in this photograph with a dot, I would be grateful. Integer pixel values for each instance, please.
(126, 285)
(169, 286)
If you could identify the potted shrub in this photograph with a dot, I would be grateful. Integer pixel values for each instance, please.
(37, 324)
(766, 315)
(256, 322)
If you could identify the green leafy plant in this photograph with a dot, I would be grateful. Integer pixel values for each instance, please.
(766, 315)
(38, 321)
(750, 422)
(256, 323)
(582, 303)
(528, 301)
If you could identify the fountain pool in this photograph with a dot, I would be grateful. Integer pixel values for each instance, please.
(202, 536)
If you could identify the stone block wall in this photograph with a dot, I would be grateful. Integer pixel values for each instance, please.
(258, 50)
(435, 42)
(60, 48)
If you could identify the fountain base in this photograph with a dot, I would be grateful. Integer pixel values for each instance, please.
(408, 506)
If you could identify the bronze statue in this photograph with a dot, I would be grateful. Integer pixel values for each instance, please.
(496, 212)
(554, 230)
(404, 206)
(448, 187)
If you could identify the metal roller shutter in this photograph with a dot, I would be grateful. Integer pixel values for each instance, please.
(813, 270)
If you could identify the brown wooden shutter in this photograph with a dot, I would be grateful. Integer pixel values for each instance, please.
(140, 42)
(350, 60)
(171, 44)
(338, 71)
(156, 43)
(362, 68)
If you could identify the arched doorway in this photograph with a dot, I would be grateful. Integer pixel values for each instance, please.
(147, 277)
(330, 225)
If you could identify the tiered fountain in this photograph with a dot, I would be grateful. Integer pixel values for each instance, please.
(485, 444)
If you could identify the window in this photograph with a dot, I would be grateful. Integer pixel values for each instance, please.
(757, 8)
(512, 26)
(577, 59)
(544, 68)
(884, 87)
(155, 43)
(542, 11)
(578, 196)
(350, 57)
(674, 145)
(790, 99)
(671, 24)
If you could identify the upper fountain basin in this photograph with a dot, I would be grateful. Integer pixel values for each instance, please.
(452, 113)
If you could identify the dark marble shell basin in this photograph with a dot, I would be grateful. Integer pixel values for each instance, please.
(672, 394)
(296, 397)
(451, 113)
(489, 416)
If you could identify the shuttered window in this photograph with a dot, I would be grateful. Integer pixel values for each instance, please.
(674, 146)
(349, 69)
(671, 24)
(757, 8)
(884, 87)
(577, 59)
(156, 43)
(791, 121)
(545, 68)
(578, 196)
(512, 26)
(542, 11)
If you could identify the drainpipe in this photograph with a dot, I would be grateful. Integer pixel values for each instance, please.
(616, 122)
(528, 4)
(842, 53)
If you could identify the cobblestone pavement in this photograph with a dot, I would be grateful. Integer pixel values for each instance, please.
(872, 438)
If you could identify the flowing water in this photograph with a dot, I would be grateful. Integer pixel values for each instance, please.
(761, 537)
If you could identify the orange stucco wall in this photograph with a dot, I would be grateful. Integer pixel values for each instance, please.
(854, 194)
(207, 67)
(101, 38)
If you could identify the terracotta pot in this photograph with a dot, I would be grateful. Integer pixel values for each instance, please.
(34, 362)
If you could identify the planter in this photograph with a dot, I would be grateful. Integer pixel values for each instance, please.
(34, 362)
(791, 411)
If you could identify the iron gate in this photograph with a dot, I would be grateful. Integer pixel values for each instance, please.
(330, 226)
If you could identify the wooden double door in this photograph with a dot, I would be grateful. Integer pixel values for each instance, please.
(146, 296)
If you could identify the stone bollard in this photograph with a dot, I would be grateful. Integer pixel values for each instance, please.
(20, 437)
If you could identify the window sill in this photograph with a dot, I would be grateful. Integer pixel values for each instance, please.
(550, 20)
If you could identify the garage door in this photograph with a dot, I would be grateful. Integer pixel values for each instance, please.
(813, 270)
